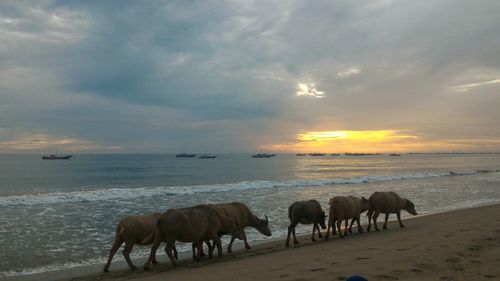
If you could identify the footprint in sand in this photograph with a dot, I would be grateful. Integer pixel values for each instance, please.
(489, 276)
(284, 275)
(446, 278)
(416, 270)
(426, 265)
(475, 261)
(386, 277)
(317, 269)
(452, 260)
(402, 249)
(475, 248)
(362, 258)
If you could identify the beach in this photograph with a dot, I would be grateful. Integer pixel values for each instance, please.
(60, 229)
(455, 245)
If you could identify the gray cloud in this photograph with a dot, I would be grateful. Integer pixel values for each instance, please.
(223, 75)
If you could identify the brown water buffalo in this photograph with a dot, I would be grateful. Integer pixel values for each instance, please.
(343, 208)
(132, 230)
(305, 212)
(194, 224)
(244, 218)
(388, 203)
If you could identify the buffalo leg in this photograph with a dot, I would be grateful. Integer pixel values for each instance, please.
(195, 246)
(339, 224)
(319, 231)
(346, 226)
(398, 214)
(116, 245)
(126, 254)
(331, 224)
(210, 248)
(386, 219)
(152, 254)
(314, 230)
(219, 246)
(360, 228)
(352, 222)
(291, 229)
(369, 215)
(169, 248)
(247, 246)
(375, 216)
(230, 246)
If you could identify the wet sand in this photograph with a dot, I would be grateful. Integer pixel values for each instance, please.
(456, 245)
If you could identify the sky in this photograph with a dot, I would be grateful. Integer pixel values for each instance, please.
(248, 76)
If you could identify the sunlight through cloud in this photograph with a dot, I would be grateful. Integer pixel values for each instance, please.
(309, 90)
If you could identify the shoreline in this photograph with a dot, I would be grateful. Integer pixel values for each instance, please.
(263, 248)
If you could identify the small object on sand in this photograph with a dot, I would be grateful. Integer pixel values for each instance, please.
(356, 278)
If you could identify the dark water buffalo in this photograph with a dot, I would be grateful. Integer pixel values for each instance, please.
(194, 224)
(244, 218)
(388, 203)
(305, 212)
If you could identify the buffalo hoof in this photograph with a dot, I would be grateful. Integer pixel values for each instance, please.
(155, 262)
(401, 225)
(146, 267)
(105, 269)
(132, 268)
(296, 242)
(287, 245)
(314, 240)
(248, 247)
(385, 227)
(229, 250)
(376, 229)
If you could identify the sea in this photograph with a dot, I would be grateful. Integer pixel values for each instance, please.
(60, 214)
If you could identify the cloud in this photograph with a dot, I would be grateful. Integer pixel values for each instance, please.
(160, 76)
(41, 143)
(309, 90)
(470, 86)
(348, 73)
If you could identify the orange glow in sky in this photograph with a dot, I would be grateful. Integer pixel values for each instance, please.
(376, 141)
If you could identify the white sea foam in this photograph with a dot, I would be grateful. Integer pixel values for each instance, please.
(105, 194)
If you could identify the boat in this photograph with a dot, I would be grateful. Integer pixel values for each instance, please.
(207, 156)
(300, 154)
(185, 155)
(394, 154)
(56, 157)
(263, 155)
(317, 154)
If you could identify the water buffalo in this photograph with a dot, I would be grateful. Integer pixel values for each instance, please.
(388, 203)
(132, 230)
(194, 224)
(305, 212)
(345, 208)
(244, 218)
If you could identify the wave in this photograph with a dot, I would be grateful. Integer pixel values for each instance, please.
(108, 194)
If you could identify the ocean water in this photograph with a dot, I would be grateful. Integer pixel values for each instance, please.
(62, 214)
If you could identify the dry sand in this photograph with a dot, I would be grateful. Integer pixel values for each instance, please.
(457, 245)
